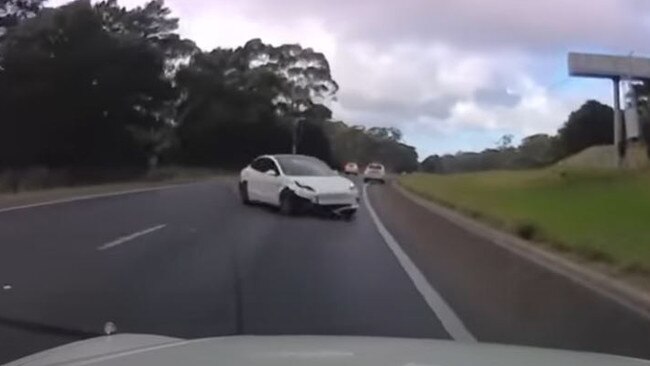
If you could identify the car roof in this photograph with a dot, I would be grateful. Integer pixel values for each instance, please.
(280, 156)
(285, 156)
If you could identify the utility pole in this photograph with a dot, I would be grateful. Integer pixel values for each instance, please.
(294, 136)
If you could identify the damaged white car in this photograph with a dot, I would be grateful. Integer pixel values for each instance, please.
(298, 183)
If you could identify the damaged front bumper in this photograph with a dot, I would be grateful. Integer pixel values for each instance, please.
(336, 204)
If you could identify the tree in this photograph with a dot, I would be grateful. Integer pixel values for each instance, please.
(387, 133)
(538, 150)
(13, 11)
(591, 124)
(226, 115)
(259, 90)
(306, 72)
(307, 80)
(313, 141)
(152, 22)
(432, 164)
(93, 89)
(364, 146)
(117, 87)
(311, 135)
(505, 142)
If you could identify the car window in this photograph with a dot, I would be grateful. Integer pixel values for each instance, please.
(264, 164)
(304, 166)
(376, 166)
(271, 165)
(259, 164)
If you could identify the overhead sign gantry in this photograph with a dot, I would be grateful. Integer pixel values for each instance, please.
(614, 68)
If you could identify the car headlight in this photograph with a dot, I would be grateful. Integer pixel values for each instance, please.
(305, 187)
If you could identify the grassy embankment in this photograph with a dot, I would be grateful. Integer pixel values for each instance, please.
(600, 215)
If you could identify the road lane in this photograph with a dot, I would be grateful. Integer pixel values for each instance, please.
(448, 317)
(217, 268)
(502, 297)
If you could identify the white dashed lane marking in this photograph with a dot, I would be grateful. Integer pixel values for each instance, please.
(129, 237)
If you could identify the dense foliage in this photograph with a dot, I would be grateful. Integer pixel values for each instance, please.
(96, 85)
(591, 124)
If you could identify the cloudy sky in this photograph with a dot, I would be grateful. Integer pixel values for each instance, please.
(452, 74)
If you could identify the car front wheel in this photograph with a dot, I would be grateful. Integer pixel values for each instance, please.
(349, 215)
(243, 193)
(287, 206)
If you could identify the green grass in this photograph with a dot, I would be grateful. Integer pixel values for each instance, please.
(600, 215)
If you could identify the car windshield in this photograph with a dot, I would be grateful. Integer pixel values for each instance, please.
(304, 166)
(471, 170)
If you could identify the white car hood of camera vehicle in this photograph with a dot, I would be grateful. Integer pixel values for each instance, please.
(329, 184)
(144, 350)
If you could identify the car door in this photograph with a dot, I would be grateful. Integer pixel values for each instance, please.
(261, 185)
(255, 179)
(270, 183)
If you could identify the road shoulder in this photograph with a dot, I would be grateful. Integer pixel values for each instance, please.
(617, 289)
(504, 297)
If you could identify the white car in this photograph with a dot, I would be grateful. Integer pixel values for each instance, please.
(374, 172)
(296, 183)
(149, 350)
(351, 168)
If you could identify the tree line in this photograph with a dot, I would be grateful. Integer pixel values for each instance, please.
(98, 86)
(589, 125)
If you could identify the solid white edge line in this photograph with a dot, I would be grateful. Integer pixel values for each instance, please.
(450, 321)
(92, 196)
(130, 237)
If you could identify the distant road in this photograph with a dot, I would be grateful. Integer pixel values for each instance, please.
(191, 261)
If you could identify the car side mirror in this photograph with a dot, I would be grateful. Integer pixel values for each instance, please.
(271, 173)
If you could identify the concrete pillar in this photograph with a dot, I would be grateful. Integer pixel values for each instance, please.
(618, 123)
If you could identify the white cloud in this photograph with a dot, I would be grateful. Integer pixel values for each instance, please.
(438, 68)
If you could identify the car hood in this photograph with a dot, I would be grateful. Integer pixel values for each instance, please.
(332, 183)
(144, 350)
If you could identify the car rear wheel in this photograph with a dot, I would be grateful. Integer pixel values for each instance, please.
(243, 193)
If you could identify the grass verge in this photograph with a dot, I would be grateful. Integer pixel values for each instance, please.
(600, 216)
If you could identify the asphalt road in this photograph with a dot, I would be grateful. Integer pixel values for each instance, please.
(216, 268)
(504, 298)
(191, 261)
